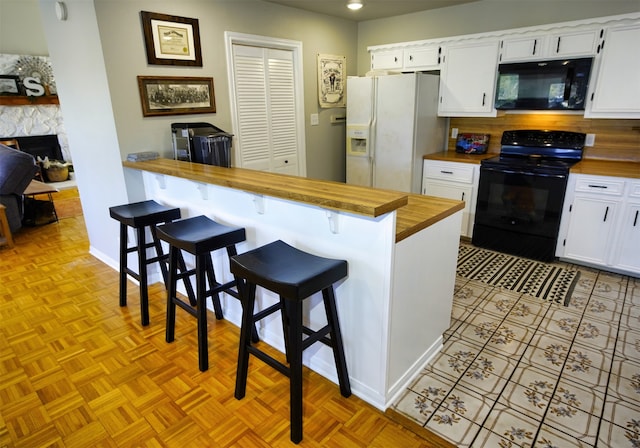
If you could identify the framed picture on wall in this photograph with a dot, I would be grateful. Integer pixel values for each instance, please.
(10, 85)
(331, 80)
(171, 40)
(171, 95)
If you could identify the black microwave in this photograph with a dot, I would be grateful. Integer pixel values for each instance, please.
(543, 85)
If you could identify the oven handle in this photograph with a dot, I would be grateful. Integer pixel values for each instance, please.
(524, 173)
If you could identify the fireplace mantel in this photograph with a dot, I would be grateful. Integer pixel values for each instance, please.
(28, 100)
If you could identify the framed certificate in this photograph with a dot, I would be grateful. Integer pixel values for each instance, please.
(171, 40)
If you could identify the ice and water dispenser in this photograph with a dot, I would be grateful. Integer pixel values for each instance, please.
(358, 140)
(202, 143)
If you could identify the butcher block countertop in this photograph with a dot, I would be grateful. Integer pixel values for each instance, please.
(414, 212)
(607, 168)
(585, 166)
(452, 156)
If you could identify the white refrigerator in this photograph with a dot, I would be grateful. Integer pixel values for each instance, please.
(392, 121)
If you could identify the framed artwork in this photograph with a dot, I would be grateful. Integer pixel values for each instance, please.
(167, 95)
(10, 85)
(332, 81)
(171, 40)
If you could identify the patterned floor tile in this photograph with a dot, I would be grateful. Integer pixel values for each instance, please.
(628, 345)
(456, 429)
(619, 437)
(516, 427)
(549, 437)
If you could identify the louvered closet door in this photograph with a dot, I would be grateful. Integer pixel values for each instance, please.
(266, 114)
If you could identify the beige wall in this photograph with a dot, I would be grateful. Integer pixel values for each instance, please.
(480, 17)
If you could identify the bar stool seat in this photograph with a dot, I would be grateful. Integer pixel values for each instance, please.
(199, 236)
(140, 216)
(294, 275)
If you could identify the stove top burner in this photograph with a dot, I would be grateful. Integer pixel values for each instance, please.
(538, 151)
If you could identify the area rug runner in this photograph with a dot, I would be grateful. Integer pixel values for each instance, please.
(543, 280)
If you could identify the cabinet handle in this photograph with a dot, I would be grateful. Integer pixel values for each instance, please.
(395, 59)
(606, 212)
(635, 220)
(463, 200)
(411, 57)
(446, 172)
(598, 186)
(535, 42)
(558, 46)
(484, 97)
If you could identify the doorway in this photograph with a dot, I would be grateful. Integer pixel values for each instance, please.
(267, 103)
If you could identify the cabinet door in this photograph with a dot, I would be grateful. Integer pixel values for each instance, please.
(577, 43)
(426, 58)
(615, 92)
(458, 192)
(468, 80)
(629, 245)
(388, 59)
(521, 48)
(590, 229)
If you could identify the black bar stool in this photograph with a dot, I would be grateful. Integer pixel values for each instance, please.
(140, 216)
(198, 236)
(294, 275)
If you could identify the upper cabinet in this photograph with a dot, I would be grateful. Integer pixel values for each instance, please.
(427, 57)
(468, 80)
(522, 48)
(387, 59)
(410, 59)
(615, 91)
(573, 44)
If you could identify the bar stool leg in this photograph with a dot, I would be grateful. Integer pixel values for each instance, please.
(328, 297)
(142, 271)
(171, 293)
(201, 312)
(159, 252)
(249, 299)
(295, 365)
(123, 264)
(215, 297)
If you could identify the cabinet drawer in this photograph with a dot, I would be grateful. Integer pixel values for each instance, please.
(457, 172)
(600, 185)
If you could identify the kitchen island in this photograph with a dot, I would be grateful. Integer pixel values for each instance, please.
(401, 248)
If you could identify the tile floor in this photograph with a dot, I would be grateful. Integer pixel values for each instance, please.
(516, 371)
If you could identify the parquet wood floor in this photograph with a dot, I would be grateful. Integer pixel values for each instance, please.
(76, 370)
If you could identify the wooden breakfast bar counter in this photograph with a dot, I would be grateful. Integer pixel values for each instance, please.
(401, 248)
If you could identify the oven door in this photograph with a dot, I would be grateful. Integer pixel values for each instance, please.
(518, 211)
(520, 201)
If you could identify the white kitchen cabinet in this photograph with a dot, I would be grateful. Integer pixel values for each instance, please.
(387, 59)
(615, 90)
(453, 180)
(627, 256)
(422, 58)
(522, 48)
(591, 229)
(600, 224)
(468, 80)
(573, 43)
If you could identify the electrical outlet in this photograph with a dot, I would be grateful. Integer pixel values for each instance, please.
(454, 132)
(315, 119)
(590, 140)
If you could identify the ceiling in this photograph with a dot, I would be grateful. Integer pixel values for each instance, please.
(373, 9)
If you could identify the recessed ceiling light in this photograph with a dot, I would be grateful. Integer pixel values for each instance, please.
(354, 5)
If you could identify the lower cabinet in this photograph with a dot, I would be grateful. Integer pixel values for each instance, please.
(600, 224)
(453, 180)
